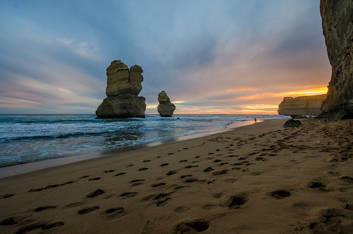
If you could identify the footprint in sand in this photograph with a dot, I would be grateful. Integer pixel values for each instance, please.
(50, 186)
(347, 179)
(333, 220)
(8, 221)
(164, 164)
(280, 194)
(181, 209)
(158, 185)
(191, 180)
(260, 159)
(161, 199)
(120, 174)
(87, 210)
(95, 193)
(317, 185)
(74, 204)
(108, 171)
(128, 194)
(235, 202)
(222, 172)
(349, 206)
(42, 208)
(146, 161)
(210, 206)
(116, 212)
(208, 169)
(169, 173)
(42, 226)
(136, 182)
(192, 226)
(93, 179)
(8, 195)
(143, 169)
(182, 161)
(191, 166)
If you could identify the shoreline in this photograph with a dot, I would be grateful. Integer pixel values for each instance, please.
(261, 178)
(23, 168)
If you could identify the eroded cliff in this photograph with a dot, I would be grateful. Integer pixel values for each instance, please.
(337, 23)
(305, 105)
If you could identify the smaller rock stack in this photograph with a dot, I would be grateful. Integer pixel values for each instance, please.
(165, 107)
(123, 87)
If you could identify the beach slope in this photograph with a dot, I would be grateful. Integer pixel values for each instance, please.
(261, 178)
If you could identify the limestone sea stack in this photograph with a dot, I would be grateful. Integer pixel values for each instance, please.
(337, 23)
(123, 87)
(165, 107)
(305, 105)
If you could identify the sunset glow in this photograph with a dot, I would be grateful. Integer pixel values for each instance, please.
(212, 61)
(308, 92)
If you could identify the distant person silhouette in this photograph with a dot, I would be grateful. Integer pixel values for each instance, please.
(255, 120)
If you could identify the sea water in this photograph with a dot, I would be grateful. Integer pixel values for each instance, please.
(28, 138)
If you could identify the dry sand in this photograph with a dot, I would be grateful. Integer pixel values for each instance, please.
(256, 179)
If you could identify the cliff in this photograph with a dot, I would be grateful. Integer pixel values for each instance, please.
(123, 87)
(337, 23)
(305, 105)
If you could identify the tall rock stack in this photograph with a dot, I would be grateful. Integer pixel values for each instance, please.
(123, 87)
(165, 107)
(337, 23)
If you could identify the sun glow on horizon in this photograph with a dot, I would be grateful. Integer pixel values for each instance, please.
(309, 92)
(257, 104)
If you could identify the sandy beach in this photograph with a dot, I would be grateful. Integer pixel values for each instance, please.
(261, 178)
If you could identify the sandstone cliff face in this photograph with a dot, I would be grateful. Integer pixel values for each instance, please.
(337, 23)
(123, 86)
(305, 105)
(165, 107)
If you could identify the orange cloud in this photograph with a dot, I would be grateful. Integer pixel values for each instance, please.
(295, 93)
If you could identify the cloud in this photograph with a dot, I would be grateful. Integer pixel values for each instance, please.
(209, 56)
(82, 49)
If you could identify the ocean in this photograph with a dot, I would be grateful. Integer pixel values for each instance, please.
(29, 138)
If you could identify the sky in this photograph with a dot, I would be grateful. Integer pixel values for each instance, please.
(227, 56)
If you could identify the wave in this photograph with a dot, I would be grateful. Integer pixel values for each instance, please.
(51, 137)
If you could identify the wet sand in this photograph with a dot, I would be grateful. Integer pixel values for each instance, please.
(256, 179)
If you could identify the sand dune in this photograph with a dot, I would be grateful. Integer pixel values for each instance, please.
(256, 179)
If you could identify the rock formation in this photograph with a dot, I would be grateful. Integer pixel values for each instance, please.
(165, 107)
(292, 123)
(305, 105)
(123, 86)
(337, 23)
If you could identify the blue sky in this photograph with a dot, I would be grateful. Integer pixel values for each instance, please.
(210, 56)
